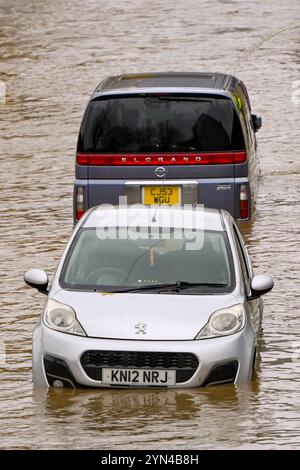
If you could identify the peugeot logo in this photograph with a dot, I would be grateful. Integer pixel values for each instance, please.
(160, 172)
(140, 328)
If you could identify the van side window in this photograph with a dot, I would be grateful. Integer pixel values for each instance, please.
(245, 93)
(246, 113)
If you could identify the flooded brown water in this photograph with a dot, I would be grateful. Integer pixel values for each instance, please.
(52, 55)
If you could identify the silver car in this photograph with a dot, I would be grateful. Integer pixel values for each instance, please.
(149, 297)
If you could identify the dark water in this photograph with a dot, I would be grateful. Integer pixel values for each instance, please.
(52, 55)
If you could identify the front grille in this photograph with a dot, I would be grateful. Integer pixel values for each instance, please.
(185, 364)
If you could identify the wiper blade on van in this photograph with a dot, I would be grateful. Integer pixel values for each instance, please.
(177, 286)
(153, 97)
(184, 98)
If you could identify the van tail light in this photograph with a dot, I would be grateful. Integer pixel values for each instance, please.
(79, 202)
(244, 202)
(148, 159)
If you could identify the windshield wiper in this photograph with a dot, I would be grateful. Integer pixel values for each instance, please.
(192, 99)
(196, 99)
(176, 286)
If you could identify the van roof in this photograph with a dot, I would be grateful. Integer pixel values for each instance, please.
(208, 81)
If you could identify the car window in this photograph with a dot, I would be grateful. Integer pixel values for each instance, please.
(244, 259)
(163, 123)
(95, 263)
(245, 255)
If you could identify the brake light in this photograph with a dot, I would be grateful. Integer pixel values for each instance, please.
(148, 159)
(79, 202)
(244, 203)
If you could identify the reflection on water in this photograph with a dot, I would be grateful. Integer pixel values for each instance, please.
(110, 418)
(52, 54)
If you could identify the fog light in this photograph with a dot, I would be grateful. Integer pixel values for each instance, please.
(58, 384)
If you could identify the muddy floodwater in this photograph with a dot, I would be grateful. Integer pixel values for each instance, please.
(52, 55)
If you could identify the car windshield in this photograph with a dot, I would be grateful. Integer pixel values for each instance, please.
(201, 262)
(160, 123)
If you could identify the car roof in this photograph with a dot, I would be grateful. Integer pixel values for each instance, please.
(138, 215)
(180, 81)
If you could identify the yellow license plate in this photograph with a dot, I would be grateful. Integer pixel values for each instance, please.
(161, 195)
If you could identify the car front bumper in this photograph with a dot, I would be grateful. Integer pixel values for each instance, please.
(220, 360)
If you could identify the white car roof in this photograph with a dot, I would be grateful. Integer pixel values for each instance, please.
(138, 215)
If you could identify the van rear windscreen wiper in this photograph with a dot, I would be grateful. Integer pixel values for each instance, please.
(178, 98)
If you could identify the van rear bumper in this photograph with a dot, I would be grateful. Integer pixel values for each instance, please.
(220, 193)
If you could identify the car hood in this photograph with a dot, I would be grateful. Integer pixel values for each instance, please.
(123, 316)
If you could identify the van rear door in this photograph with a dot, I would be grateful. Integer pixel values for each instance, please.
(129, 143)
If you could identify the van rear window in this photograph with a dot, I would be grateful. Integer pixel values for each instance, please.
(160, 123)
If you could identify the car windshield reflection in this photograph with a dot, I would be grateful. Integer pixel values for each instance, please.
(135, 262)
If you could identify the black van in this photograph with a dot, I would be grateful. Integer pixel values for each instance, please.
(168, 138)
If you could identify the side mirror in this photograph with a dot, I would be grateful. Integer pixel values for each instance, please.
(261, 284)
(38, 279)
(257, 122)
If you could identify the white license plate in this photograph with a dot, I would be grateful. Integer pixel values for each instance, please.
(151, 377)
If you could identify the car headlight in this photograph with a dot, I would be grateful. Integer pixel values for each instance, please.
(61, 317)
(224, 322)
